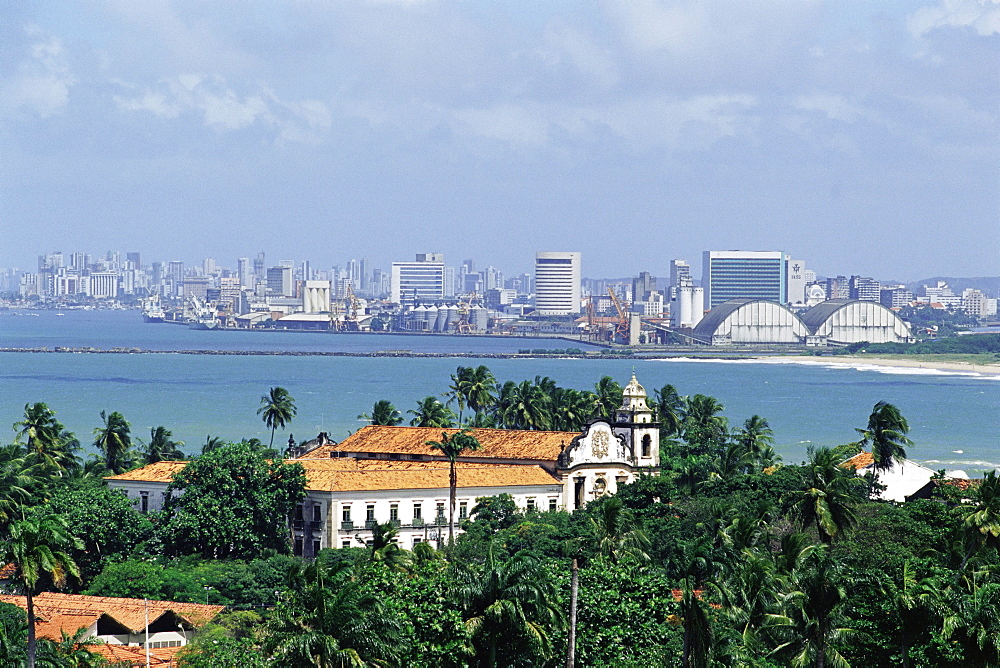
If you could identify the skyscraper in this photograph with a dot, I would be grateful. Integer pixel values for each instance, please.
(413, 282)
(744, 275)
(557, 283)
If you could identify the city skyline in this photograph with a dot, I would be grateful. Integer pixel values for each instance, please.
(860, 138)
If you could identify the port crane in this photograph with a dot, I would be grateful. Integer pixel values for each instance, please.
(621, 332)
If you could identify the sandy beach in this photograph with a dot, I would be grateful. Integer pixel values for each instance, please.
(910, 361)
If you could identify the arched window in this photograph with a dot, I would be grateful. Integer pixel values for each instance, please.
(647, 446)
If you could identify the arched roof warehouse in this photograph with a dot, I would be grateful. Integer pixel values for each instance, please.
(750, 321)
(853, 321)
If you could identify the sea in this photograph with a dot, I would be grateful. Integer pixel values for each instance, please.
(953, 415)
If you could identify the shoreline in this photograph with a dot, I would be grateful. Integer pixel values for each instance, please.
(910, 362)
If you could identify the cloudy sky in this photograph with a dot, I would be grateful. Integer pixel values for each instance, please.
(859, 136)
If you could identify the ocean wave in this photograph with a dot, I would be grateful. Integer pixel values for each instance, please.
(856, 366)
(975, 463)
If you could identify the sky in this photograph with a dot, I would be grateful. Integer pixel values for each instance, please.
(861, 137)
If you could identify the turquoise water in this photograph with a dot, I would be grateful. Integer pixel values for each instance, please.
(953, 416)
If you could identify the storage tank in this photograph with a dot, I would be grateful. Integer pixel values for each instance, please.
(418, 319)
(697, 305)
(450, 318)
(479, 318)
(685, 296)
(440, 322)
(430, 318)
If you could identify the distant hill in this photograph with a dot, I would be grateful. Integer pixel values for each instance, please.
(989, 285)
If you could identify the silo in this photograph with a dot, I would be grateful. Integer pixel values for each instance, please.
(684, 296)
(697, 305)
(431, 317)
(478, 318)
(418, 319)
(450, 318)
(439, 323)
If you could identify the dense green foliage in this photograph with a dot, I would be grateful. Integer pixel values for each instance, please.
(951, 345)
(726, 558)
(231, 503)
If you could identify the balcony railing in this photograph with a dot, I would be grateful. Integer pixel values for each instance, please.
(346, 525)
(417, 522)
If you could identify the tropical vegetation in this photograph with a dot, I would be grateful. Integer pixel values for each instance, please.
(728, 557)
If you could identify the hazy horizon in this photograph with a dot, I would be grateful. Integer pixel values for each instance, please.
(859, 138)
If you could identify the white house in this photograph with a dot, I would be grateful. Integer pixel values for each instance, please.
(904, 481)
(385, 474)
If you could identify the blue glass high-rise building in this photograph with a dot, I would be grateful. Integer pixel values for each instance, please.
(744, 275)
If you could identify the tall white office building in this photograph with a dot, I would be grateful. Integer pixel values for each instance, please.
(415, 282)
(557, 283)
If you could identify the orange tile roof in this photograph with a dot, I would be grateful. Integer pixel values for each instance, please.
(859, 461)
(135, 657)
(129, 612)
(7, 571)
(158, 472)
(349, 474)
(495, 443)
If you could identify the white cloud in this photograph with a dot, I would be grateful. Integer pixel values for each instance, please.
(983, 16)
(41, 82)
(222, 108)
(836, 107)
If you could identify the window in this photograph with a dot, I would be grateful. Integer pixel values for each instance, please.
(298, 512)
(394, 512)
(317, 514)
(553, 505)
(463, 510)
(316, 547)
(647, 445)
(345, 514)
(417, 539)
(143, 502)
(370, 513)
(531, 505)
(344, 544)
(440, 519)
(297, 550)
(417, 511)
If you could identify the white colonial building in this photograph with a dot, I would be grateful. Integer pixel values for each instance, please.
(385, 474)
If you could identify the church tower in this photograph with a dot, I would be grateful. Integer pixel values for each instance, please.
(636, 422)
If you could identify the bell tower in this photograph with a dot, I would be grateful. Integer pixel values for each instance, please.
(635, 421)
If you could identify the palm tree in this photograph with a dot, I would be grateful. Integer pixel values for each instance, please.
(510, 609)
(432, 413)
(16, 482)
(828, 497)
(452, 446)
(618, 536)
(46, 441)
(114, 442)
(479, 389)
(813, 613)
(886, 434)
(698, 635)
(571, 409)
(277, 409)
(608, 397)
(757, 438)
(383, 413)
(459, 383)
(983, 521)
(40, 546)
(909, 596)
(384, 548)
(670, 408)
(704, 429)
(161, 448)
(525, 406)
(328, 619)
